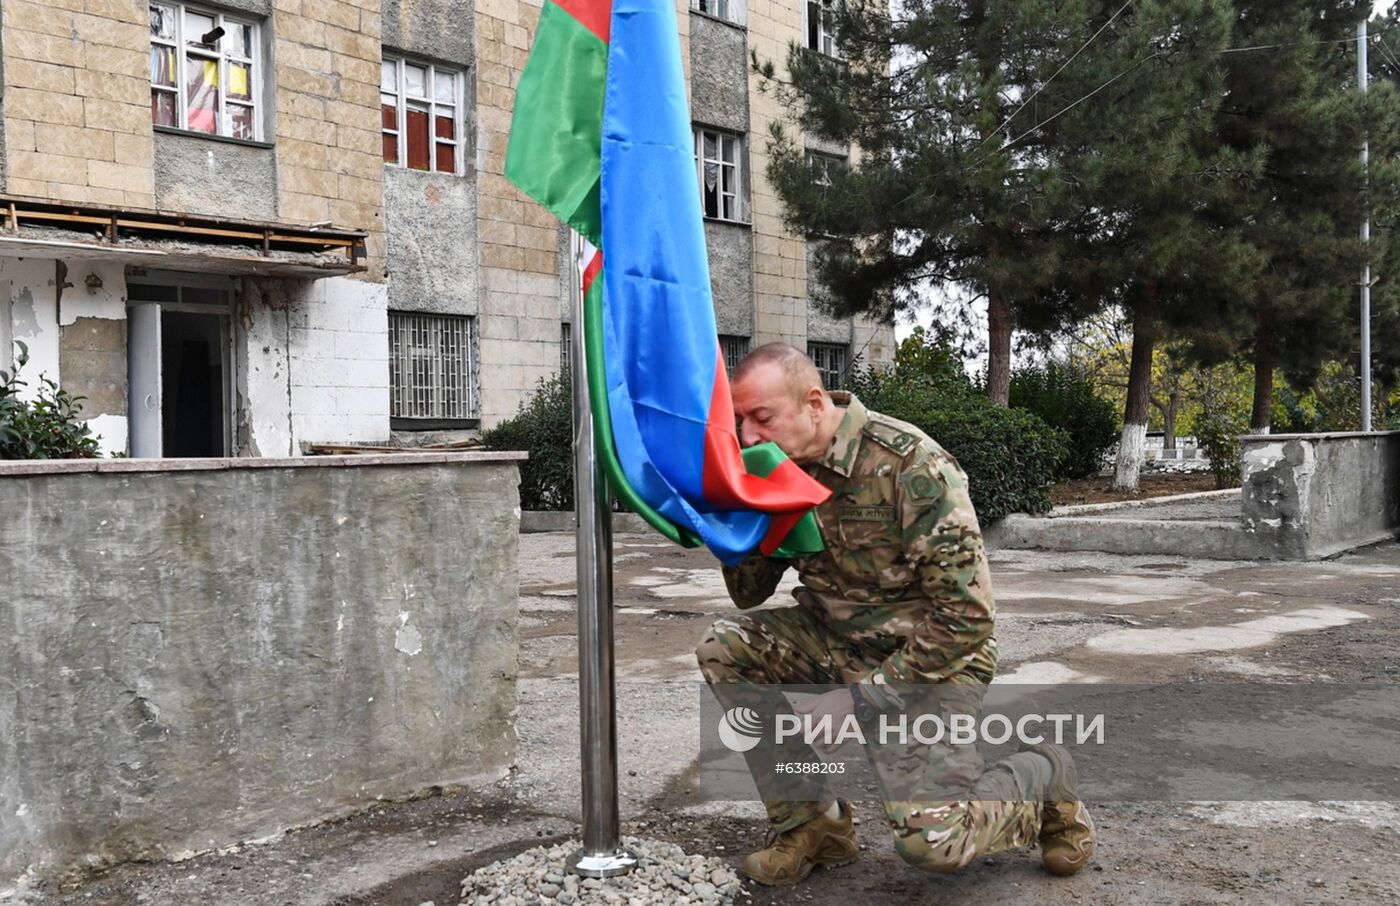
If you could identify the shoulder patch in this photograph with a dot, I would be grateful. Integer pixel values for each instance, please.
(891, 436)
(924, 481)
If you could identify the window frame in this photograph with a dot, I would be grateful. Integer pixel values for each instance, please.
(739, 165)
(823, 34)
(844, 349)
(736, 11)
(401, 62)
(742, 346)
(182, 51)
(469, 370)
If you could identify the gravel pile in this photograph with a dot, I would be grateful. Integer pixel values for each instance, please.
(666, 875)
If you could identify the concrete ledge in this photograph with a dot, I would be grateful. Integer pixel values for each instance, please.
(1171, 538)
(88, 466)
(533, 521)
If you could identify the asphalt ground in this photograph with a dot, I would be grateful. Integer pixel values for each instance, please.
(1062, 618)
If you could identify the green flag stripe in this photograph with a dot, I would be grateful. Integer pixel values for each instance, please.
(556, 133)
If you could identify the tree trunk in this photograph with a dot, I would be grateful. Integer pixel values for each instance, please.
(1262, 415)
(998, 349)
(1132, 449)
(1169, 420)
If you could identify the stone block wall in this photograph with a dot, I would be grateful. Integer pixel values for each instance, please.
(78, 101)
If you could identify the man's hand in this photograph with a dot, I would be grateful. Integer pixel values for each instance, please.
(836, 705)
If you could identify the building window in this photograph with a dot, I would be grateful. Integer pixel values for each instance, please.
(432, 367)
(204, 74)
(728, 10)
(421, 107)
(718, 163)
(824, 167)
(821, 36)
(831, 360)
(734, 349)
(566, 351)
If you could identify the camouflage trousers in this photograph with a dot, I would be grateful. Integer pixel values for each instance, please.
(1001, 808)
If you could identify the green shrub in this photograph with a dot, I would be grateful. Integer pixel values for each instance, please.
(1218, 435)
(1063, 399)
(544, 428)
(44, 428)
(1010, 456)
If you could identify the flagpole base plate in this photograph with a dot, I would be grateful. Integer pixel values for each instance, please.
(602, 865)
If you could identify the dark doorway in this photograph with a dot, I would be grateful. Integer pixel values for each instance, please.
(192, 384)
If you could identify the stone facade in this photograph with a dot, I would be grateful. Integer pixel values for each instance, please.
(308, 359)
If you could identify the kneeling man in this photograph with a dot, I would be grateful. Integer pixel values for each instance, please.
(901, 594)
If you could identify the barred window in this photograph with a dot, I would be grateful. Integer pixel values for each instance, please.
(432, 367)
(204, 77)
(832, 360)
(719, 164)
(566, 349)
(734, 349)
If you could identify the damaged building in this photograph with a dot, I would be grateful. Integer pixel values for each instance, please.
(245, 227)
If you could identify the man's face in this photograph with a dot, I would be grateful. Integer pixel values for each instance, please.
(771, 409)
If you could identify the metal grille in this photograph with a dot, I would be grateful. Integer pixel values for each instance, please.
(432, 366)
(830, 359)
(734, 349)
(566, 350)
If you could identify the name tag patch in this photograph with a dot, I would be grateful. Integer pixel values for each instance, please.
(866, 513)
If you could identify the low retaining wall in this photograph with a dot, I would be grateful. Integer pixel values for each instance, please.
(203, 652)
(1315, 495)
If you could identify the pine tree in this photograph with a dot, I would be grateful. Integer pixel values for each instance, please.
(1291, 105)
(939, 194)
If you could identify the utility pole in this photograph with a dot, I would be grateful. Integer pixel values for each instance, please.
(1363, 78)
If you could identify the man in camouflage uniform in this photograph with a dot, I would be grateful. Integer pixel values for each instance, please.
(901, 594)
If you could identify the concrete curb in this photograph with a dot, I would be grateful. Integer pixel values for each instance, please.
(1085, 509)
(1170, 538)
(534, 521)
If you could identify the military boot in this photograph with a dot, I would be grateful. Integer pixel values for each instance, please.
(1066, 831)
(790, 856)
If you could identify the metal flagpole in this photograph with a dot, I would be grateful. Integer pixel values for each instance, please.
(1363, 78)
(601, 855)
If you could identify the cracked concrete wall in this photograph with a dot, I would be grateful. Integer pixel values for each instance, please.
(217, 179)
(433, 29)
(719, 83)
(72, 332)
(198, 658)
(730, 248)
(430, 221)
(1315, 495)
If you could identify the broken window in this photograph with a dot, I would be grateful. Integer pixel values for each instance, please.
(728, 10)
(821, 34)
(718, 157)
(432, 368)
(204, 74)
(421, 115)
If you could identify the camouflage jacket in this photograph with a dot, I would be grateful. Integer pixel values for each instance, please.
(904, 575)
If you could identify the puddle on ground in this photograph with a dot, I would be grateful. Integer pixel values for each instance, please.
(1249, 634)
(1045, 673)
(1106, 591)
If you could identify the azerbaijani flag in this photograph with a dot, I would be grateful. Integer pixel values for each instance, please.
(601, 136)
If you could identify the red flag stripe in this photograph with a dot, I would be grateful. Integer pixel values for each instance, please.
(594, 15)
